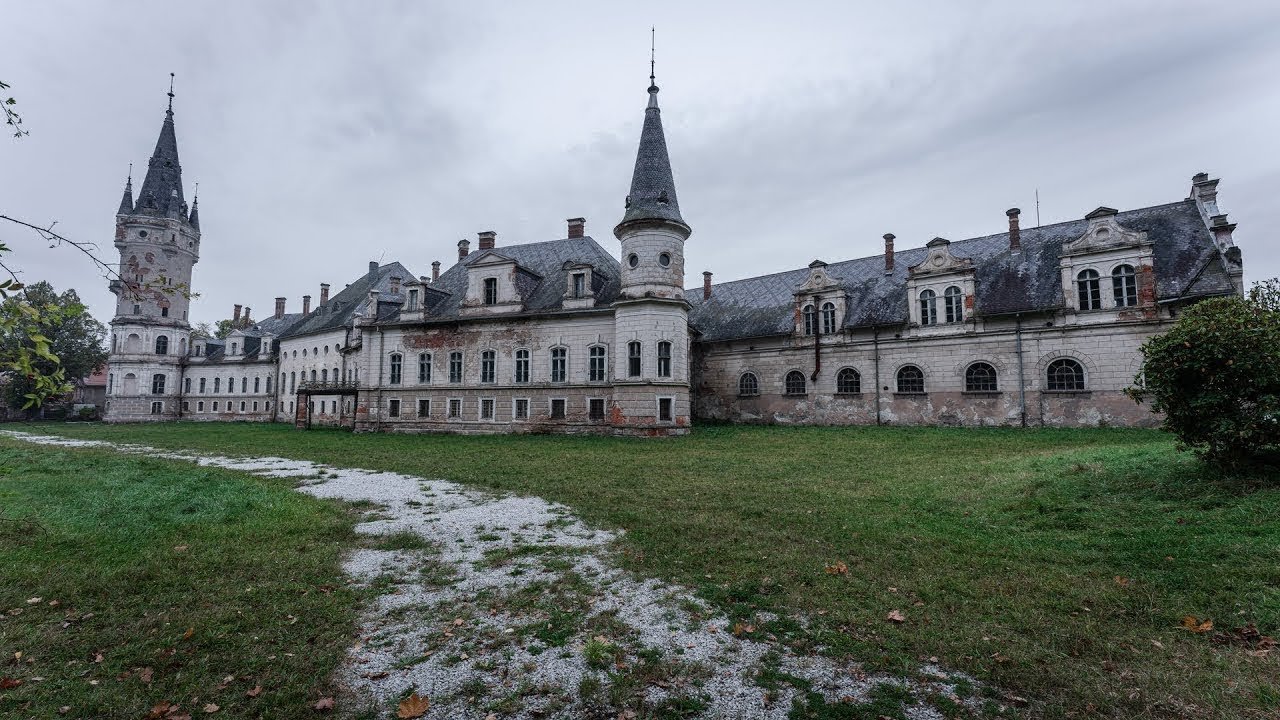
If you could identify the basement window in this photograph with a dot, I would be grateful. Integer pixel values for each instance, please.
(557, 409)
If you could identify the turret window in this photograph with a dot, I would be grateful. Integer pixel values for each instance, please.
(596, 364)
(953, 304)
(664, 359)
(1088, 290)
(632, 261)
(633, 358)
(664, 260)
(1124, 285)
(162, 345)
(928, 307)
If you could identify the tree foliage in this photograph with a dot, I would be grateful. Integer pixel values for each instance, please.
(1216, 377)
(11, 116)
(47, 342)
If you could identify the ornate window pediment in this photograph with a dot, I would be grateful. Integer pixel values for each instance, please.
(818, 281)
(820, 302)
(940, 261)
(1104, 233)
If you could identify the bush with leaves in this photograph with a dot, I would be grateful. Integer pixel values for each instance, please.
(1216, 377)
(47, 340)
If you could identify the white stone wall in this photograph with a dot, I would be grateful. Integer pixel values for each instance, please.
(649, 276)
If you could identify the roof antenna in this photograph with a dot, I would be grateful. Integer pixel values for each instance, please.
(652, 36)
(129, 180)
(170, 92)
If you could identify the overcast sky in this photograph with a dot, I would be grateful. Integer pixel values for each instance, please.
(325, 134)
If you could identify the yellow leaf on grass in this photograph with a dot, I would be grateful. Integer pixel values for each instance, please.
(1190, 622)
(413, 706)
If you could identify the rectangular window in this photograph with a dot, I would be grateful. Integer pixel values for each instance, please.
(522, 366)
(557, 409)
(396, 367)
(217, 384)
(164, 312)
(231, 385)
(200, 406)
(393, 408)
(186, 386)
(579, 284)
(664, 359)
(520, 409)
(559, 362)
(413, 301)
(455, 407)
(488, 366)
(595, 408)
(486, 408)
(185, 406)
(257, 384)
(664, 409)
(597, 363)
(215, 406)
(269, 384)
(244, 384)
(255, 406)
(157, 408)
(424, 407)
(491, 291)
(241, 406)
(424, 368)
(455, 367)
(633, 359)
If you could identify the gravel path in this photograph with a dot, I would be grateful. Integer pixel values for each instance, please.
(510, 607)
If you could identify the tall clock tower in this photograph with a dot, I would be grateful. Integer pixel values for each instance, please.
(158, 237)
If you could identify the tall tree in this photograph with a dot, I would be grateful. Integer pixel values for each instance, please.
(47, 338)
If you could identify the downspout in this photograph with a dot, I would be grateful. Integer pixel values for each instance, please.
(381, 360)
(1022, 382)
(875, 339)
(817, 342)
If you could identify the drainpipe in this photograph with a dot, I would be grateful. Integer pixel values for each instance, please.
(381, 360)
(875, 339)
(1022, 382)
(817, 342)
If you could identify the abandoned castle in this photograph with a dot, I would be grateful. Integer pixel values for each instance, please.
(1032, 326)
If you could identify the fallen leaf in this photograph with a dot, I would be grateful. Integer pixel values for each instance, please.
(145, 674)
(54, 603)
(1158, 644)
(413, 706)
(1190, 622)
(895, 616)
(255, 692)
(34, 601)
(187, 635)
(839, 568)
(6, 683)
(226, 681)
(64, 709)
(325, 703)
(180, 548)
(211, 709)
(97, 658)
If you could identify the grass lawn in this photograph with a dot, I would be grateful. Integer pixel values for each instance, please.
(1056, 564)
(126, 582)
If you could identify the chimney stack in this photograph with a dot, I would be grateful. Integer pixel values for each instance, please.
(373, 266)
(1015, 234)
(324, 293)
(706, 284)
(464, 249)
(235, 316)
(487, 239)
(888, 253)
(577, 227)
(306, 304)
(435, 270)
(395, 284)
(279, 308)
(245, 318)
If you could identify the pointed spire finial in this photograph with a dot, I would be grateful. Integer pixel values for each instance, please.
(653, 85)
(170, 92)
(128, 182)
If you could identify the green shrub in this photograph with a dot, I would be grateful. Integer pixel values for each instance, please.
(1216, 377)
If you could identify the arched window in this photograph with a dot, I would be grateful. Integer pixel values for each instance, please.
(953, 304)
(234, 348)
(397, 367)
(1124, 285)
(157, 384)
(794, 383)
(664, 359)
(596, 366)
(748, 384)
(162, 345)
(848, 382)
(313, 377)
(1065, 375)
(182, 347)
(810, 316)
(828, 318)
(980, 377)
(324, 375)
(335, 374)
(1088, 289)
(910, 379)
(130, 384)
(293, 381)
(928, 307)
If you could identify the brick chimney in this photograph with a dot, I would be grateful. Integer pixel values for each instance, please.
(577, 227)
(306, 304)
(235, 316)
(464, 249)
(245, 318)
(395, 284)
(888, 253)
(279, 308)
(324, 293)
(487, 239)
(1015, 233)
(435, 270)
(706, 284)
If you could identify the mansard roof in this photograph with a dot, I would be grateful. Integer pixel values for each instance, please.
(337, 313)
(544, 272)
(1185, 258)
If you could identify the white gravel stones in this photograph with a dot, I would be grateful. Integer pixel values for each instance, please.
(496, 604)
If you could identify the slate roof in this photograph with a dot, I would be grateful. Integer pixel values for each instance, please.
(341, 307)
(653, 190)
(162, 188)
(1186, 264)
(544, 281)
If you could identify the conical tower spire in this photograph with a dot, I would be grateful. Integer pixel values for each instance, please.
(653, 189)
(162, 187)
(126, 202)
(194, 218)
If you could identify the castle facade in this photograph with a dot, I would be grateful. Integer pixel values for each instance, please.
(1026, 327)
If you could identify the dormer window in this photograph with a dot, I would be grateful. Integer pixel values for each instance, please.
(828, 318)
(928, 307)
(579, 284)
(810, 316)
(413, 300)
(1124, 286)
(491, 291)
(234, 347)
(1088, 290)
(953, 304)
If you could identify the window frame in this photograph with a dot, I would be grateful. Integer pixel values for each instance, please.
(523, 359)
(828, 314)
(453, 408)
(158, 383)
(635, 359)
(795, 384)
(424, 404)
(669, 402)
(393, 407)
(162, 345)
(424, 368)
(743, 389)
(901, 389)
(842, 385)
(664, 358)
(953, 304)
(597, 363)
(1088, 290)
(396, 372)
(591, 408)
(928, 307)
(492, 405)
(490, 290)
(976, 383)
(456, 362)
(551, 408)
(1053, 380)
(488, 366)
(809, 319)
(559, 369)
(516, 416)
(1124, 286)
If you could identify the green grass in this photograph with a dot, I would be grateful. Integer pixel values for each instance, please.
(1001, 547)
(157, 580)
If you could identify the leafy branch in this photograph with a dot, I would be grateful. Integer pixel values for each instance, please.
(11, 116)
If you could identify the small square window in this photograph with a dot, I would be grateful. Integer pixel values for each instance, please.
(557, 409)
(595, 408)
(157, 408)
(200, 406)
(486, 408)
(455, 407)
(186, 406)
(393, 408)
(424, 408)
(520, 409)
